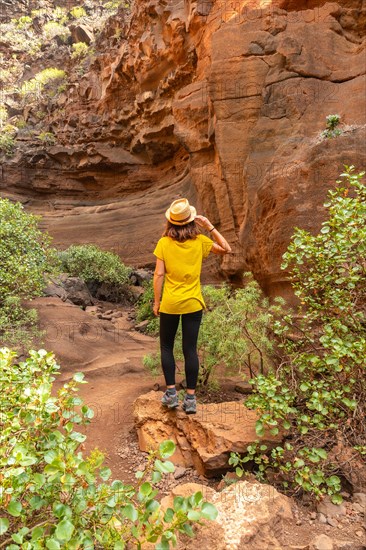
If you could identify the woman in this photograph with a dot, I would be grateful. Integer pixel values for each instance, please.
(179, 256)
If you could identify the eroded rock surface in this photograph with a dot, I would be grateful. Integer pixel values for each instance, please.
(250, 516)
(204, 440)
(222, 102)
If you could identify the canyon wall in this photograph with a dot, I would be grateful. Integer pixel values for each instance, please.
(220, 101)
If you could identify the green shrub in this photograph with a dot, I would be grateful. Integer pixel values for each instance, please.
(36, 85)
(7, 144)
(53, 496)
(25, 252)
(20, 123)
(23, 22)
(80, 50)
(47, 137)
(77, 12)
(332, 123)
(317, 394)
(245, 317)
(52, 29)
(26, 255)
(19, 37)
(18, 326)
(114, 4)
(60, 15)
(93, 264)
(145, 308)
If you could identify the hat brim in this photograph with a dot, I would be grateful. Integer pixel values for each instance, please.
(192, 217)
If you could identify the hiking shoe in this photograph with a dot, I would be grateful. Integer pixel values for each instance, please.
(170, 400)
(190, 405)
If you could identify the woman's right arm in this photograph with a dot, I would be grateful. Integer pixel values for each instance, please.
(158, 284)
(220, 246)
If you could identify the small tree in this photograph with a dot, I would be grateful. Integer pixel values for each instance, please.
(236, 331)
(318, 394)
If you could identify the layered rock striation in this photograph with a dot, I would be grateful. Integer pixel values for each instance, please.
(220, 101)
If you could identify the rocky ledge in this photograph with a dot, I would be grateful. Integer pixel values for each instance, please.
(204, 440)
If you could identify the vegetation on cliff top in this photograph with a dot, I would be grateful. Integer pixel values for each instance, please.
(40, 37)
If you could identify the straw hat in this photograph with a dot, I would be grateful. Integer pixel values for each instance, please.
(180, 212)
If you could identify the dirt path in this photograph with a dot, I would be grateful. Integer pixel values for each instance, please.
(112, 429)
(110, 355)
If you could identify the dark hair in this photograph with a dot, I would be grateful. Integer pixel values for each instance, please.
(181, 233)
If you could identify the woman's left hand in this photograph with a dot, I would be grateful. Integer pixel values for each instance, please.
(156, 309)
(204, 222)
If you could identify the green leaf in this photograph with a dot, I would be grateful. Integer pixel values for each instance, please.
(4, 525)
(37, 533)
(169, 515)
(198, 498)
(333, 481)
(209, 511)
(130, 512)
(156, 477)
(145, 489)
(64, 530)
(322, 453)
(179, 503)
(259, 428)
(14, 508)
(79, 377)
(188, 530)
(166, 449)
(105, 473)
(52, 544)
(152, 505)
(336, 499)
(162, 545)
(166, 467)
(193, 515)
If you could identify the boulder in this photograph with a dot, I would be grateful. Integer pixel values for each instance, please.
(81, 33)
(139, 276)
(329, 509)
(353, 466)
(77, 292)
(204, 440)
(322, 542)
(73, 289)
(110, 292)
(360, 498)
(250, 516)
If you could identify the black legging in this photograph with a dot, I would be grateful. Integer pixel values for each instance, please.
(168, 329)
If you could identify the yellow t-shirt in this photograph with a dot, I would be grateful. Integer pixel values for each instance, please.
(183, 261)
